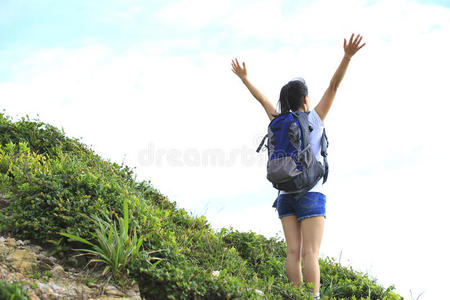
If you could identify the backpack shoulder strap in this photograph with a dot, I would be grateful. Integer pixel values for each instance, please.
(324, 144)
(304, 126)
(324, 153)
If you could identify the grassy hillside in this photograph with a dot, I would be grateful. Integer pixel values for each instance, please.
(62, 192)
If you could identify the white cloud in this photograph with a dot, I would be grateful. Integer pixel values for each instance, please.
(195, 13)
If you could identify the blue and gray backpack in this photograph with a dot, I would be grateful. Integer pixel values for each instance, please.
(292, 165)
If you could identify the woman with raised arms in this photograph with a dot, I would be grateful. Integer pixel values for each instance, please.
(303, 218)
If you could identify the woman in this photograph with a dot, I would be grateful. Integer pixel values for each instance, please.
(303, 219)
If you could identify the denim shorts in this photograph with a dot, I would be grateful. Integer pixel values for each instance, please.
(312, 204)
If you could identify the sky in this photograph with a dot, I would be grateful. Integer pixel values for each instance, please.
(149, 83)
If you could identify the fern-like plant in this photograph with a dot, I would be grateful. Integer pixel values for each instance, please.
(116, 245)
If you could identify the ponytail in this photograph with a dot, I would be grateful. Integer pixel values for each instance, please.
(284, 99)
(292, 95)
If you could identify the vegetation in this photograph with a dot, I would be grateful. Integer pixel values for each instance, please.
(12, 291)
(54, 182)
(115, 247)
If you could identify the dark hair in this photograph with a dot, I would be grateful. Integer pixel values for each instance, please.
(291, 96)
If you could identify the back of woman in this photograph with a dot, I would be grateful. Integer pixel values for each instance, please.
(303, 215)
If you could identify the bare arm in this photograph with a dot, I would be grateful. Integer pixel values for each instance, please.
(241, 72)
(324, 105)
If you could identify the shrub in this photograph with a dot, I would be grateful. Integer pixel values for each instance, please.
(51, 194)
(42, 138)
(264, 256)
(341, 281)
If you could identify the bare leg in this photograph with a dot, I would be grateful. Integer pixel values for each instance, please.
(312, 230)
(293, 236)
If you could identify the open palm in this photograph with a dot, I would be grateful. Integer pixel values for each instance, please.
(353, 45)
(241, 72)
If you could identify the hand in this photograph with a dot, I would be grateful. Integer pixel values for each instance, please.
(353, 45)
(238, 70)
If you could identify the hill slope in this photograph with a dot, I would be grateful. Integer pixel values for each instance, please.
(55, 183)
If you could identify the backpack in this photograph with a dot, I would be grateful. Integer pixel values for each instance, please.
(292, 165)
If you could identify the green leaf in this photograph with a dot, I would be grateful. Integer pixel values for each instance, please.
(76, 238)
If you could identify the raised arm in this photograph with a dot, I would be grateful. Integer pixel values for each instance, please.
(327, 99)
(241, 72)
